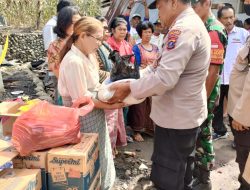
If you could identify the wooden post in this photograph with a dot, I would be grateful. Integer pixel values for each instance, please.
(39, 13)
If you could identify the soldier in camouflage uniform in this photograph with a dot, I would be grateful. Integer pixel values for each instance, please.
(204, 155)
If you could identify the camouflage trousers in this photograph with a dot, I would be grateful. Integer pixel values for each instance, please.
(204, 156)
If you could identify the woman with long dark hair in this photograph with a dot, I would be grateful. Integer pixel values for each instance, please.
(58, 48)
(64, 29)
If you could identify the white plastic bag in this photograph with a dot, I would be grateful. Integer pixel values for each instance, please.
(104, 94)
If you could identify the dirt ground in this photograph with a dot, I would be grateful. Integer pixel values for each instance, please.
(224, 176)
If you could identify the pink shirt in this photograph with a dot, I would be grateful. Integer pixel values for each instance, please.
(148, 57)
(123, 47)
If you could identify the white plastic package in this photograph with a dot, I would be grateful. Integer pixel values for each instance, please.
(104, 94)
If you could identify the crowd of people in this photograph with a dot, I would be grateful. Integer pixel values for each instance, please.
(193, 62)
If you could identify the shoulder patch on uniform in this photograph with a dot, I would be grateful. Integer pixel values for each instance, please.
(172, 38)
(174, 32)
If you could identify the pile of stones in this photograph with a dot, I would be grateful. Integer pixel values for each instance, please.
(24, 47)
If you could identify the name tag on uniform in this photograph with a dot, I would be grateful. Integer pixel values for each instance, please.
(235, 40)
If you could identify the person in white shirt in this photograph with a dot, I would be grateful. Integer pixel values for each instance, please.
(50, 36)
(236, 39)
(48, 33)
(135, 20)
(157, 37)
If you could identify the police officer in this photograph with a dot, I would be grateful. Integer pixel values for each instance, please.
(179, 103)
(239, 108)
(204, 157)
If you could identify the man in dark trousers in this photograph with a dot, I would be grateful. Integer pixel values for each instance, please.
(204, 155)
(177, 87)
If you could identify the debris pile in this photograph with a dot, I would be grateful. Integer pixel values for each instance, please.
(21, 79)
(132, 172)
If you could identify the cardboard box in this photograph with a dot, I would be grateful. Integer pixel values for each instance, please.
(96, 184)
(7, 125)
(36, 160)
(7, 152)
(74, 166)
(16, 108)
(11, 110)
(20, 179)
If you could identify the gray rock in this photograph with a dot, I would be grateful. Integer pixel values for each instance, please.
(41, 93)
(47, 98)
(135, 172)
(124, 186)
(39, 88)
(128, 173)
(36, 80)
(143, 167)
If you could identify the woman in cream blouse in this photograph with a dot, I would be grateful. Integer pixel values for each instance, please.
(78, 77)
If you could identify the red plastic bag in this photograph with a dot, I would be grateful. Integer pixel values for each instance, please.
(47, 126)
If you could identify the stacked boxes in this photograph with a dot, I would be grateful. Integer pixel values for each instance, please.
(71, 167)
(20, 179)
(74, 166)
(36, 160)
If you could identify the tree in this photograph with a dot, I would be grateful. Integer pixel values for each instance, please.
(35, 13)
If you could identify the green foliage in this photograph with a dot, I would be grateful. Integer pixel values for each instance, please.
(30, 13)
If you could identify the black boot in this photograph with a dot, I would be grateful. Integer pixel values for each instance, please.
(202, 181)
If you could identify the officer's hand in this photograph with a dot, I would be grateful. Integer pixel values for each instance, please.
(238, 126)
(122, 90)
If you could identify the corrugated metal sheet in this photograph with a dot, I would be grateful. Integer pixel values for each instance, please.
(119, 7)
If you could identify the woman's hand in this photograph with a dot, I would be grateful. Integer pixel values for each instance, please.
(115, 106)
(103, 105)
